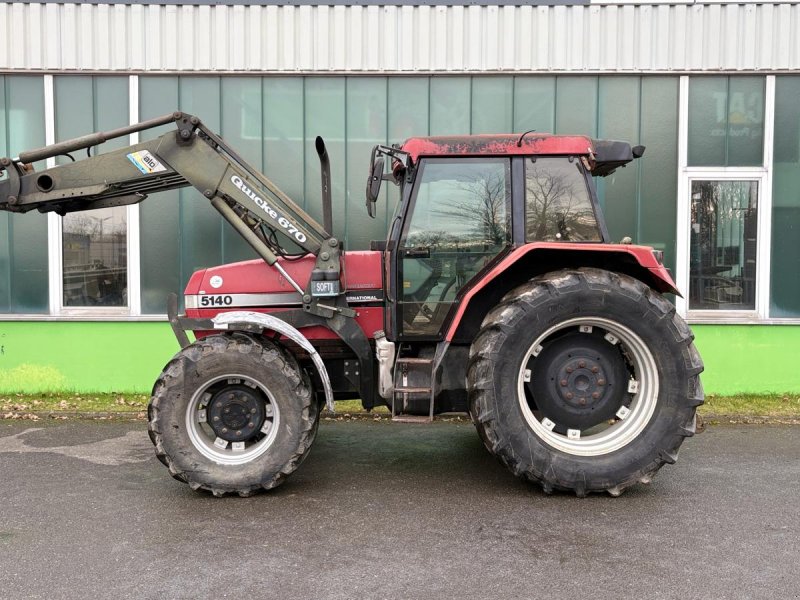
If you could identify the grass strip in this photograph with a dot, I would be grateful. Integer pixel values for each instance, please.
(15, 406)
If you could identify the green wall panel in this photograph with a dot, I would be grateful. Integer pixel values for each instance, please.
(785, 266)
(366, 125)
(83, 356)
(492, 105)
(127, 357)
(748, 358)
(658, 186)
(23, 240)
(284, 133)
(534, 104)
(576, 106)
(325, 115)
(159, 215)
(617, 115)
(408, 114)
(450, 105)
(242, 123)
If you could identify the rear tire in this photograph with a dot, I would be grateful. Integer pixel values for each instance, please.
(232, 414)
(584, 380)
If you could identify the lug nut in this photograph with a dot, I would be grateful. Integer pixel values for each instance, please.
(239, 432)
(582, 401)
(216, 418)
(224, 430)
(563, 383)
(227, 410)
(570, 369)
(251, 424)
(570, 395)
(253, 410)
(582, 364)
(601, 382)
(595, 395)
(595, 369)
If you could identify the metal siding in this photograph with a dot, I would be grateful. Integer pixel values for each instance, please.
(596, 38)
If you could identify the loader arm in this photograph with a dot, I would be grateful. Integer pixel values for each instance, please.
(190, 156)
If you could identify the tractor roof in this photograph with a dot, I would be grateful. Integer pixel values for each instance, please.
(533, 143)
(605, 155)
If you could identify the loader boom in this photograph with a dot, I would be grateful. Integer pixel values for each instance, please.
(190, 156)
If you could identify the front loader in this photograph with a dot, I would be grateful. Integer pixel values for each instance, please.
(496, 292)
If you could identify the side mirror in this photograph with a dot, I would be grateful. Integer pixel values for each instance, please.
(374, 182)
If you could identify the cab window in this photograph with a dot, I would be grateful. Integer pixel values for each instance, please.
(458, 224)
(557, 202)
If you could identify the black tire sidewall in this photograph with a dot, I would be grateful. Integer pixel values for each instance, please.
(537, 458)
(263, 363)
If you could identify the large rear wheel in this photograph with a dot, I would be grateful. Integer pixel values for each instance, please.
(232, 413)
(584, 380)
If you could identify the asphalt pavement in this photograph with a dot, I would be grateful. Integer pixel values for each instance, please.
(382, 510)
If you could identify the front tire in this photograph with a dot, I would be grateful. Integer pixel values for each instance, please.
(584, 380)
(232, 414)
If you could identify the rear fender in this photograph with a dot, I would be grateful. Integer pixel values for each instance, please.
(530, 260)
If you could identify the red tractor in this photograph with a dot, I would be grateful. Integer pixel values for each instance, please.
(497, 292)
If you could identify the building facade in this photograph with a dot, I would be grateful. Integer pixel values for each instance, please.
(711, 89)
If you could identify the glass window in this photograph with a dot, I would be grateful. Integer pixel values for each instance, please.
(785, 265)
(557, 203)
(726, 121)
(722, 251)
(95, 253)
(23, 239)
(460, 222)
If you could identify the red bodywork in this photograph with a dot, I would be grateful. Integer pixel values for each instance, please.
(362, 276)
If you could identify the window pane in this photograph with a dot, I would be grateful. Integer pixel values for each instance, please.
(23, 239)
(557, 203)
(459, 223)
(785, 285)
(723, 245)
(96, 257)
(726, 121)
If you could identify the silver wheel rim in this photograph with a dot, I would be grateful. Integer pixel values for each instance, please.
(206, 441)
(630, 420)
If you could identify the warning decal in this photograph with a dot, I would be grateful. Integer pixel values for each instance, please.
(146, 162)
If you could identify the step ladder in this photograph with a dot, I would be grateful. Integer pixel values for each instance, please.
(402, 368)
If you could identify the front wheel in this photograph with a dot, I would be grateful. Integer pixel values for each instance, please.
(584, 380)
(232, 413)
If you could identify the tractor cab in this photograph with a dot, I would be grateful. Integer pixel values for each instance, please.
(467, 201)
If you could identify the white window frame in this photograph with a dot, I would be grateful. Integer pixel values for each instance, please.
(55, 235)
(763, 175)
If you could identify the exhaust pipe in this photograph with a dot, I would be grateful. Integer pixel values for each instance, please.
(325, 171)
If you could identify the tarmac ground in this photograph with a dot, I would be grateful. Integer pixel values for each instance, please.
(384, 510)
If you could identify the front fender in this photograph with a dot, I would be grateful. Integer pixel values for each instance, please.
(242, 318)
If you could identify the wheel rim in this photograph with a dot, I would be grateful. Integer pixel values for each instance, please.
(631, 410)
(232, 419)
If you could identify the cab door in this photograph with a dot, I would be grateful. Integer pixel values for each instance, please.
(456, 222)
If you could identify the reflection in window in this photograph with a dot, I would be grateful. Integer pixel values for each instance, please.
(95, 251)
(459, 224)
(723, 245)
(557, 204)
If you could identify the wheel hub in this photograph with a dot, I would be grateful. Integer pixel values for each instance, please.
(577, 381)
(236, 413)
